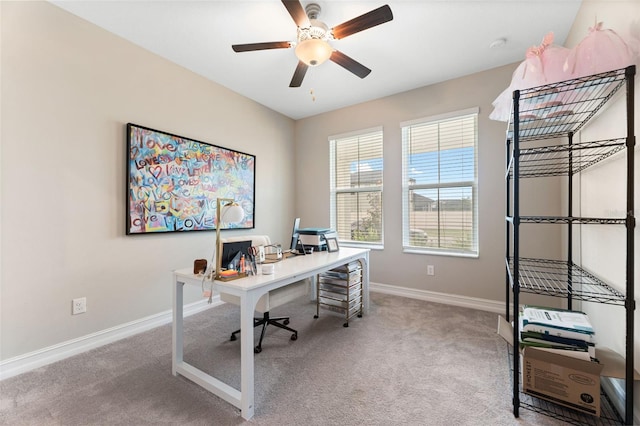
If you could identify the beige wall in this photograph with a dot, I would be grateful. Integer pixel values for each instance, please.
(481, 277)
(68, 89)
(603, 189)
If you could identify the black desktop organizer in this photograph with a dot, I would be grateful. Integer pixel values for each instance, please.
(557, 111)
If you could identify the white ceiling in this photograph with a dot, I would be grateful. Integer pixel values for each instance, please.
(427, 42)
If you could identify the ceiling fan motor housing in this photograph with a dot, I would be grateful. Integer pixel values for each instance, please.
(313, 10)
(312, 47)
(318, 29)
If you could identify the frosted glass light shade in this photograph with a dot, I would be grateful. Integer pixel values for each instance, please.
(231, 213)
(313, 51)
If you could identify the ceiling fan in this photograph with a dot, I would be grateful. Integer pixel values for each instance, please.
(312, 46)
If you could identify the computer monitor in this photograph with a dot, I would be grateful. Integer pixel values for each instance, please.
(295, 234)
(230, 250)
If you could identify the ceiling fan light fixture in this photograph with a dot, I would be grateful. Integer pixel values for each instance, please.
(313, 51)
(312, 46)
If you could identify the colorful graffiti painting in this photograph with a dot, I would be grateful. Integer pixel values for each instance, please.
(174, 182)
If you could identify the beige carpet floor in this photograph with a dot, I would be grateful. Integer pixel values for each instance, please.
(408, 362)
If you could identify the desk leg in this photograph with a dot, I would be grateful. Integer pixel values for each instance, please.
(177, 334)
(314, 287)
(247, 307)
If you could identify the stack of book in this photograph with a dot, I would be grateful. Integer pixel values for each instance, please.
(557, 330)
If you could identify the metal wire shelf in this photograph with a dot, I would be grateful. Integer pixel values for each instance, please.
(573, 220)
(560, 278)
(554, 110)
(555, 113)
(565, 160)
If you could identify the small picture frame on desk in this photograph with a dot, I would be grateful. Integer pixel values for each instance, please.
(332, 245)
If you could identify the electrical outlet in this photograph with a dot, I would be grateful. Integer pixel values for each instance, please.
(430, 270)
(79, 306)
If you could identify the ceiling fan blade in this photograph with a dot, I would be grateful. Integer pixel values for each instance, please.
(298, 75)
(297, 13)
(349, 64)
(370, 19)
(261, 46)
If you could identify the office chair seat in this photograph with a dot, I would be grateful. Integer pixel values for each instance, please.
(271, 300)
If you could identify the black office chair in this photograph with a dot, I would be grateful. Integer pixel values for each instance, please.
(271, 300)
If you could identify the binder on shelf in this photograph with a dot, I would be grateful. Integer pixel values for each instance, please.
(557, 322)
(562, 333)
(559, 348)
(532, 336)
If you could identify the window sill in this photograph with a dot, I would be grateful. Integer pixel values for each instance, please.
(369, 246)
(440, 253)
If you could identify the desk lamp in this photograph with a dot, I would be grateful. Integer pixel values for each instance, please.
(227, 213)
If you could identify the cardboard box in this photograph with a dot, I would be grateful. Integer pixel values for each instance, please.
(558, 378)
(611, 364)
(567, 381)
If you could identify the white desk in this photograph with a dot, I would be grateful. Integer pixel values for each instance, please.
(250, 289)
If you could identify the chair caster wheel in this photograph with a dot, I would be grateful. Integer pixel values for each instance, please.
(233, 337)
(346, 324)
(359, 315)
(285, 322)
(257, 349)
(315, 316)
(294, 336)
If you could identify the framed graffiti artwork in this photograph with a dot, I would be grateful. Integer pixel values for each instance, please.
(173, 182)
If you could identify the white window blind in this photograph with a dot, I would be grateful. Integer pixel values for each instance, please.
(356, 186)
(440, 184)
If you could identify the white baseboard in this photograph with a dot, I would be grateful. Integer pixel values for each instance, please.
(36, 359)
(444, 298)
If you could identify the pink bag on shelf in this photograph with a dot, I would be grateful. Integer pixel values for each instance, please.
(544, 64)
(600, 51)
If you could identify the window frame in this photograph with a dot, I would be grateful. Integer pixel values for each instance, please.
(334, 191)
(407, 187)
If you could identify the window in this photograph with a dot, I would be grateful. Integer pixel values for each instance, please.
(440, 184)
(356, 186)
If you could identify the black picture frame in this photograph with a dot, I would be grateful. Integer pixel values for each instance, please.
(173, 182)
(332, 244)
